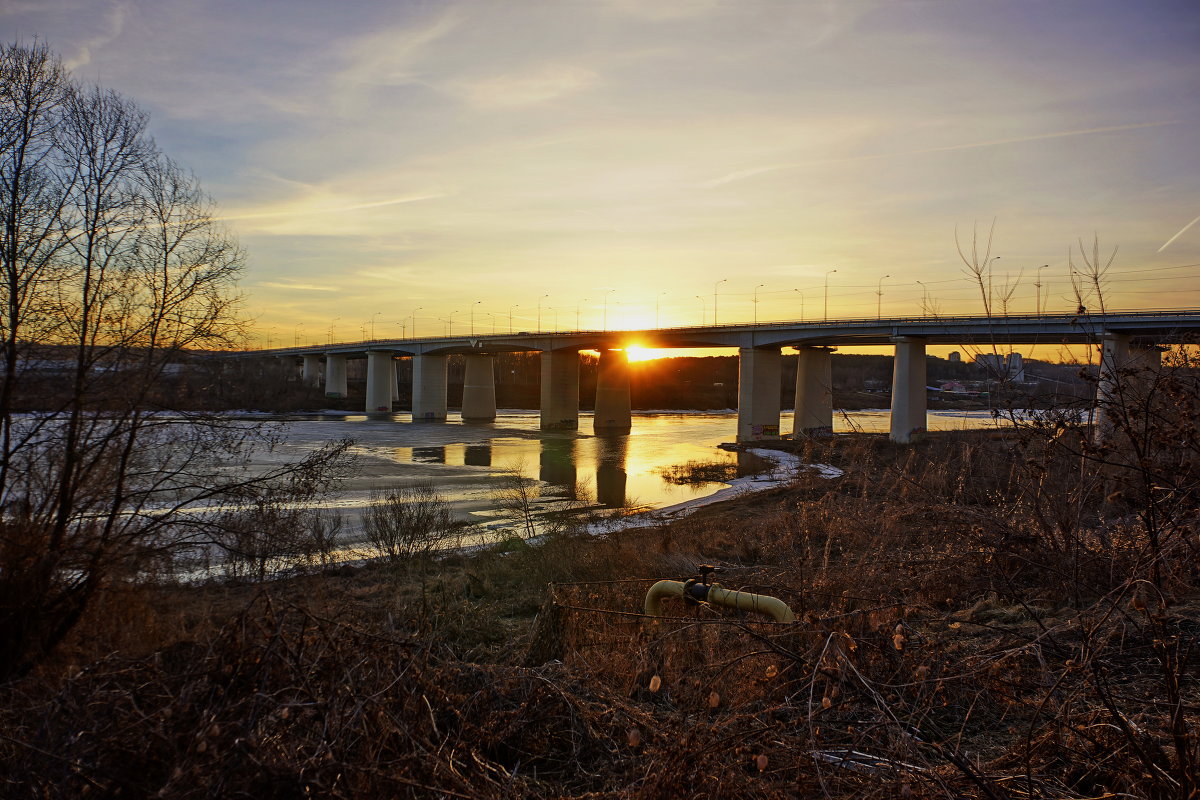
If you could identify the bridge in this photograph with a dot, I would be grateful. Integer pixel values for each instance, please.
(1129, 339)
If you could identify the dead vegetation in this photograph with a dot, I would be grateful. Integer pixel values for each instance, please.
(980, 616)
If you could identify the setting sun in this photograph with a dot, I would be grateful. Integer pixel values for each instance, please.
(638, 353)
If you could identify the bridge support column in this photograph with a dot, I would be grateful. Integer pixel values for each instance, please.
(311, 371)
(429, 388)
(335, 376)
(380, 373)
(613, 413)
(479, 389)
(908, 389)
(814, 393)
(560, 390)
(393, 382)
(758, 395)
(1125, 373)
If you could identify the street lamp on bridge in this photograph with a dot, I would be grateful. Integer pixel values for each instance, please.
(715, 285)
(756, 288)
(827, 274)
(879, 299)
(1037, 282)
(703, 309)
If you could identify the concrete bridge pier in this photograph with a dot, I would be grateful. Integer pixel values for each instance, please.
(310, 373)
(758, 394)
(479, 389)
(908, 389)
(335, 376)
(429, 388)
(560, 390)
(613, 406)
(814, 393)
(1126, 370)
(395, 384)
(381, 378)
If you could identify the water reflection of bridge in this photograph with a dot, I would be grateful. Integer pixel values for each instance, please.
(558, 465)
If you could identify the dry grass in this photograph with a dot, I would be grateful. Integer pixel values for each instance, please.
(961, 635)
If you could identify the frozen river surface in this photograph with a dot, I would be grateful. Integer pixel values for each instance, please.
(468, 463)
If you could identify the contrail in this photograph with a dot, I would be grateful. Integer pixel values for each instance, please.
(295, 212)
(1181, 233)
(749, 173)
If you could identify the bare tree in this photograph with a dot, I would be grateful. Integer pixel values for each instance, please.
(114, 274)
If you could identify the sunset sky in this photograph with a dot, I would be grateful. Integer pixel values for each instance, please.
(480, 157)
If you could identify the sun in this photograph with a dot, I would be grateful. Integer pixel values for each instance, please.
(638, 353)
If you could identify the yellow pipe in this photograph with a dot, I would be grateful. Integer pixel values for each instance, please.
(730, 598)
(657, 592)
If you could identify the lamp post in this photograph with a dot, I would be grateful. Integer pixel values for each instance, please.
(539, 314)
(657, 300)
(989, 292)
(797, 291)
(510, 310)
(477, 302)
(827, 274)
(450, 323)
(269, 332)
(403, 328)
(879, 298)
(924, 299)
(414, 320)
(607, 292)
(335, 319)
(715, 285)
(296, 336)
(373, 316)
(578, 303)
(1038, 284)
(756, 288)
(703, 310)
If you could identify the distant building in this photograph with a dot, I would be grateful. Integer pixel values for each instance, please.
(955, 357)
(1002, 367)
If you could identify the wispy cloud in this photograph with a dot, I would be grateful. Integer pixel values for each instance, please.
(750, 172)
(298, 210)
(114, 25)
(302, 287)
(533, 87)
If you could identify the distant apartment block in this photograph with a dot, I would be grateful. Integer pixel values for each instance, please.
(1002, 366)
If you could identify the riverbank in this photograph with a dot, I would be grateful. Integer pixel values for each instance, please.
(946, 647)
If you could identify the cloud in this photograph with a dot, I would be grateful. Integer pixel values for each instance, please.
(297, 209)
(530, 88)
(302, 287)
(750, 172)
(112, 27)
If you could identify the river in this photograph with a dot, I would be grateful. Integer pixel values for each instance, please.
(468, 463)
